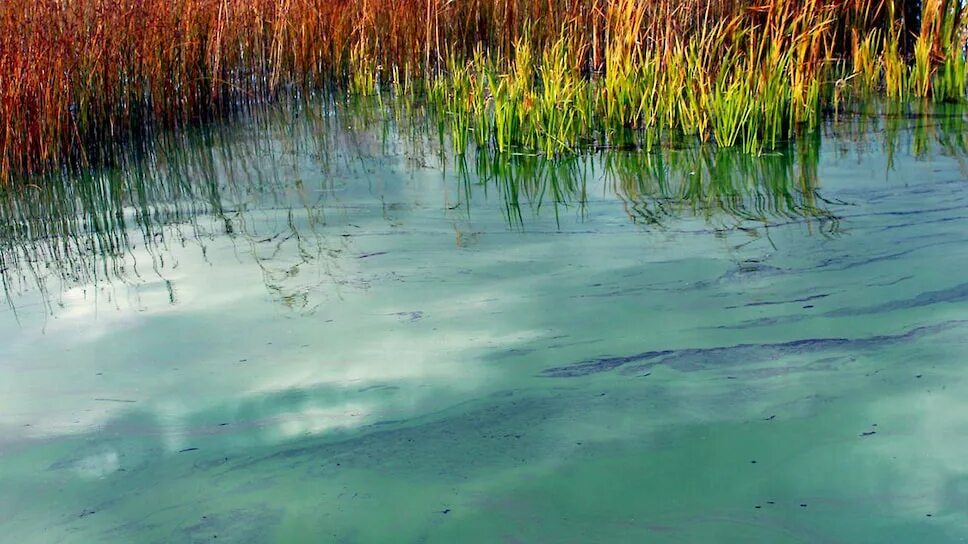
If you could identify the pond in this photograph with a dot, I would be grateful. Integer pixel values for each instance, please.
(311, 325)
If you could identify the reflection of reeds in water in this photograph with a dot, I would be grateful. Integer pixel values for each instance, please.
(890, 128)
(722, 184)
(528, 180)
(86, 227)
(664, 184)
(243, 181)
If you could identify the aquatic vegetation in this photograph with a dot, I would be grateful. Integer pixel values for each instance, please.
(83, 77)
(944, 35)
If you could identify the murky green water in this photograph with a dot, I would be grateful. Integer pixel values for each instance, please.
(313, 331)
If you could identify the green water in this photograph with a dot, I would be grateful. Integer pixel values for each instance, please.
(318, 332)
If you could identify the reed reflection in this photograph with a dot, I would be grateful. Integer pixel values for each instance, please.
(246, 182)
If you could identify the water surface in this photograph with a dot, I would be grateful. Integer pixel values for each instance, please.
(326, 329)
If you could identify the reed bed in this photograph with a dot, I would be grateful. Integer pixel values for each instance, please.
(82, 79)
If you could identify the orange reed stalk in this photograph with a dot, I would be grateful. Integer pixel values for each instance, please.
(78, 76)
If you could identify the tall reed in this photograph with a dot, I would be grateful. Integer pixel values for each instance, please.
(78, 78)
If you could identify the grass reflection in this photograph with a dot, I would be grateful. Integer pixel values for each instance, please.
(655, 187)
(245, 181)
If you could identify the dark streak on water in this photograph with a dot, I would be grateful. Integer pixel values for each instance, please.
(699, 358)
(775, 302)
(958, 293)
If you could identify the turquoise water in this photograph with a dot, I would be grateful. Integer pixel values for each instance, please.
(337, 334)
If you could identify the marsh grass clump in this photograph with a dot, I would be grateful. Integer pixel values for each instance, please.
(84, 78)
(740, 81)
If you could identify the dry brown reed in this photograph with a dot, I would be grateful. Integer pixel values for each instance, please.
(80, 76)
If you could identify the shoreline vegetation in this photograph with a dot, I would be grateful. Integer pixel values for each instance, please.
(83, 80)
